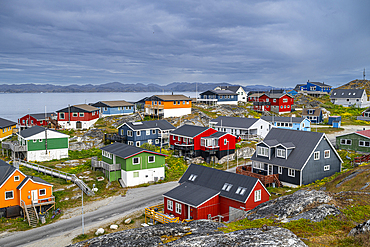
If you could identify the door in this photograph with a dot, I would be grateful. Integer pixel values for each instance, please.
(270, 170)
(78, 125)
(34, 196)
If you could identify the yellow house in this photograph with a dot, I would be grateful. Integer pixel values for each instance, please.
(6, 128)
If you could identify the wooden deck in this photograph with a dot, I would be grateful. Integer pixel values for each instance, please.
(156, 213)
(267, 180)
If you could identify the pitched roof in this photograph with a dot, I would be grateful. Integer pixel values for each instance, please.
(231, 88)
(34, 179)
(235, 122)
(126, 151)
(168, 97)
(79, 108)
(6, 123)
(274, 95)
(154, 124)
(298, 87)
(113, 103)
(41, 116)
(364, 133)
(189, 130)
(213, 181)
(316, 112)
(320, 84)
(304, 142)
(283, 119)
(35, 130)
(346, 93)
(5, 171)
(219, 92)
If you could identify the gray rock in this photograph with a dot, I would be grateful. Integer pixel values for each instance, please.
(361, 228)
(290, 205)
(316, 214)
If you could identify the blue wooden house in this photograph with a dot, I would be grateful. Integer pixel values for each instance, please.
(218, 97)
(296, 157)
(315, 115)
(314, 87)
(154, 132)
(293, 123)
(117, 107)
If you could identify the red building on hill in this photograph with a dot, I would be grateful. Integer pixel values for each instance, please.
(191, 140)
(208, 193)
(275, 102)
(36, 119)
(78, 116)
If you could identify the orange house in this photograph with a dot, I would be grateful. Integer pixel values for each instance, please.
(20, 192)
(168, 105)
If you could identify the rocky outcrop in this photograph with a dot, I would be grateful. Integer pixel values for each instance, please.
(125, 119)
(245, 152)
(292, 206)
(195, 233)
(361, 228)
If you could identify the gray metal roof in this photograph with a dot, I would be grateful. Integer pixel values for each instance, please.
(346, 93)
(321, 84)
(304, 142)
(34, 130)
(218, 134)
(219, 92)
(79, 108)
(271, 143)
(154, 124)
(283, 119)
(231, 88)
(6, 123)
(214, 180)
(113, 103)
(5, 171)
(189, 130)
(234, 122)
(316, 112)
(41, 116)
(125, 151)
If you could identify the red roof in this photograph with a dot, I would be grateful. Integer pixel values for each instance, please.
(364, 133)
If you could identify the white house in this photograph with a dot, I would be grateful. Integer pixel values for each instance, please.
(350, 97)
(242, 95)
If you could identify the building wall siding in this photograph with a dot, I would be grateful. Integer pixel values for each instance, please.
(355, 145)
(52, 143)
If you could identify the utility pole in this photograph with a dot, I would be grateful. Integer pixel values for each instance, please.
(83, 230)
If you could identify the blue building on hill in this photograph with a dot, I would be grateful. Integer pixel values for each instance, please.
(313, 87)
(118, 107)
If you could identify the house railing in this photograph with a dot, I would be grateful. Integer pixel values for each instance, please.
(149, 106)
(95, 163)
(265, 179)
(361, 159)
(156, 213)
(14, 146)
(25, 211)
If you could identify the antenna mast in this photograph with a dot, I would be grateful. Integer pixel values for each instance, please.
(364, 76)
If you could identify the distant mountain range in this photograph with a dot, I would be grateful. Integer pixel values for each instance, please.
(120, 87)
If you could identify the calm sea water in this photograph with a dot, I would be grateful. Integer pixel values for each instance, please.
(14, 106)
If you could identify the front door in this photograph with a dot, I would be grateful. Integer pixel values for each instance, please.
(270, 170)
(78, 125)
(34, 196)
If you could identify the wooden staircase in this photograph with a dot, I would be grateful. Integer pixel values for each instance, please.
(31, 214)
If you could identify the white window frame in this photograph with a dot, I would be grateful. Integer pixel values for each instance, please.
(129, 132)
(285, 100)
(291, 172)
(74, 114)
(156, 141)
(44, 190)
(345, 141)
(263, 151)
(281, 153)
(82, 114)
(149, 159)
(62, 115)
(257, 195)
(280, 170)
(147, 132)
(327, 168)
(170, 205)
(138, 133)
(16, 178)
(131, 143)
(153, 132)
(9, 197)
(178, 208)
(326, 154)
(138, 161)
(138, 144)
(362, 143)
(316, 155)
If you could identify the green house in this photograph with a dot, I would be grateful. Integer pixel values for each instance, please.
(133, 165)
(357, 141)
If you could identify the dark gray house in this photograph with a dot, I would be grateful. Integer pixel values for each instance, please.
(298, 157)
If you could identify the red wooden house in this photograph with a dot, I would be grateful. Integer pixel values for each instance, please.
(208, 193)
(275, 102)
(191, 140)
(78, 116)
(36, 119)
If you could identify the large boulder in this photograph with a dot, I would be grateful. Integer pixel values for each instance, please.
(361, 228)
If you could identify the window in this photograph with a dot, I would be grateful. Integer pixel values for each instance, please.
(280, 170)
(16, 178)
(257, 195)
(169, 205)
(187, 102)
(40, 140)
(136, 174)
(225, 142)
(151, 159)
(316, 155)
(156, 141)
(345, 142)
(193, 177)
(9, 195)
(74, 114)
(291, 172)
(147, 132)
(241, 190)
(130, 143)
(183, 102)
(153, 132)
(31, 121)
(327, 168)
(81, 114)
(258, 165)
(263, 151)
(174, 102)
(34, 140)
(274, 100)
(129, 133)
(42, 192)
(173, 137)
(136, 161)
(285, 100)
(280, 153)
(178, 208)
(61, 115)
(106, 154)
(227, 187)
(327, 154)
(364, 144)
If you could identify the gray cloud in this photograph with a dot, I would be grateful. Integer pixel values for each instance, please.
(247, 42)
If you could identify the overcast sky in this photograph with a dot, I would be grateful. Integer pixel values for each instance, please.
(277, 43)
